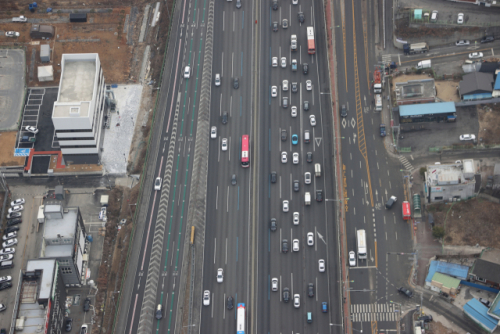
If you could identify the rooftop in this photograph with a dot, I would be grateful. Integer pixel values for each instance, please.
(427, 108)
(442, 175)
(415, 89)
(478, 312)
(451, 269)
(487, 270)
(59, 234)
(47, 267)
(447, 281)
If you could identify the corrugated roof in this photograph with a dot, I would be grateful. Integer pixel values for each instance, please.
(497, 83)
(476, 81)
(495, 307)
(478, 312)
(487, 270)
(450, 269)
(446, 280)
(427, 108)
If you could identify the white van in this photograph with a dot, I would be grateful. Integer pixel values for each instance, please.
(317, 170)
(307, 137)
(307, 198)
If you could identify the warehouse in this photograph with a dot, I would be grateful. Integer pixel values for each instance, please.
(428, 112)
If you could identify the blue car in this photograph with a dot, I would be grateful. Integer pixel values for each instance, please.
(324, 307)
(295, 139)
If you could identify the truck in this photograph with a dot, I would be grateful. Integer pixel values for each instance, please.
(406, 210)
(294, 65)
(424, 64)
(410, 49)
(361, 242)
(307, 198)
(377, 82)
(293, 43)
(382, 130)
(378, 102)
(19, 19)
(41, 217)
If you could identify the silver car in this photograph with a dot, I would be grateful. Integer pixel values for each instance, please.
(274, 284)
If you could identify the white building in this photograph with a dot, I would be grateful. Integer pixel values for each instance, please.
(79, 110)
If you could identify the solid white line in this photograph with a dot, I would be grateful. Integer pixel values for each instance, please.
(215, 249)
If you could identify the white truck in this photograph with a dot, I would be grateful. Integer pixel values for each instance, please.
(40, 218)
(307, 198)
(378, 102)
(19, 19)
(361, 242)
(293, 43)
(424, 64)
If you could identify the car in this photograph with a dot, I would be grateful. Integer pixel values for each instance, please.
(343, 111)
(84, 329)
(238, 4)
(158, 183)
(312, 120)
(68, 324)
(286, 295)
(213, 132)
(460, 18)
(296, 300)
(475, 55)
(14, 215)
(217, 79)
(301, 17)
(305, 68)
(425, 318)
(274, 284)
(310, 239)
(285, 102)
(319, 195)
(296, 218)
(294, 87)
(2, 307)
(220, 275)
(305, 105)
(206, 298)
(309, 85)
(295, 158)
(274, 177)
(284, 157)
(321, 265)
(295, 139)
(18, 201)
(224, 144)
(159, 312)
(15, 221)
(483, 301)
(11, 34)
(230, 303)
(309, 157)
(274, 91)
(307, 178)
(10, 235)
(284, 246)
(187, 72)
(295, 245)
(274, 62)
(295, 2)
(487, 39)
(233, 179)
(274, 4)
(390, 202)
(16, 208)
(285, 206)
(283, 62)
(284, 24)
(324, 307)
(296, 185)
(285, 85)
(352, 259)
(310, 290)
(236, 83)
(408, 293)
(31, 129)
(7, 251)
(273, 226)
(275, 26)
(467, 137)
(294, 111)
(7, 257)
(462, 42)
(224, 118)
(86, 305)
(284, 135)
(5, 279)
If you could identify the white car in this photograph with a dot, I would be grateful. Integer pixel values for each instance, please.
(312, 120)
(84, 329)
(283, 62)
(274, 91)
(295, 158)
(295, 218)
(296, 300)
(309, 85)
(352, 259)
(18, 201)
(10, 235)
(475, 55)
(206, 297)
(9, 243)
(220, 275)
(295, 245)
(7, 251)
(307, 178)
(11, 34)
(295, 2)
(217, 79)
(5, 279)
(31, 129)
(158, 183)
(294, 111)
(462, 42)
(187, 72)
(460, 19)
(285, 206)
(224, 144)
(467, 137)
(7, 257)
(321, 265)
(16, 208)
(310, 239)
(274, 284)
(285, 85)
(284, 157)
(274, 62)
(213, 132)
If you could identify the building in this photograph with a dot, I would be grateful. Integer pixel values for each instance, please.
(78, 113)
(45, 53)
(486, 269)
(415, 91)
(429, 112)
(478, 313)
(445, 283)
(450, 182)
(476, 86)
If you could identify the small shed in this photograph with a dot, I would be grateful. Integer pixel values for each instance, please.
(39, 31)
(45, 73)
(78, 17)
(45, 53)
(59, 192)
(445, 283)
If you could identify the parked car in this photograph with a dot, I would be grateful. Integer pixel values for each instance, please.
(5, 285)
(15, 221)
(487, 39)
(5, 279)
(84, 329)
(18, 201)
(5, 251)
(425, 318)
(462, 42)
(11, 34)
(408, 293)
(14, 215)
(483, 301)
(16, 208)
(467, 137)
(10, 235)
(6, 257)
(460, 19)
(68, 324)
(9, 243)
(2, 307)
(475, 55)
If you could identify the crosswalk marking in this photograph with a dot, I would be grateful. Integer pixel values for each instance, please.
(406, 163)
(373, 312)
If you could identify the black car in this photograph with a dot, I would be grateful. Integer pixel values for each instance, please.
(319, 195)
(86, 304)
(233, 180)
(5, 285)
(286, 295)
(294, 87)
(68, 324)
(236, 83)
(301, 17)
(284, 135)
(306, 105)
(310, 290)
(296, 185)
(273, 225)
(284, 246)
(230, 303)
(425, 318)
(305, 68)
(309, 156)
(274, 176)
(343, 111)
(14, 215)
(224, 118)
(275, 26)
(274, 4)
(11, 229)
(12, 222)
(487, 39)
(405, 292)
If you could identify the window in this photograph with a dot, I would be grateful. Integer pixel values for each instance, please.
(438, 198)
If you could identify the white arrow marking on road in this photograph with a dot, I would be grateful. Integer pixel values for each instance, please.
(354, 138)
(321, 237)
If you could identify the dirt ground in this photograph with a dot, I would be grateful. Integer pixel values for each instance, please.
(446, 90)
(438, 328)
(469, 222)
(7, 158)
(403, 30)
(489, 124)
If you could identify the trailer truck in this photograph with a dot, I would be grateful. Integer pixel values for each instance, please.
(377, 82)
(410, 49)
(361, 242)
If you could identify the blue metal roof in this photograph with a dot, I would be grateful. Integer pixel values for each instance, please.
(451, 269)
(497, 83)
(427, 108)
(478, 312)
(495, 307)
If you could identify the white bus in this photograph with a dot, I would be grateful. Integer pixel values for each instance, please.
(361, 241)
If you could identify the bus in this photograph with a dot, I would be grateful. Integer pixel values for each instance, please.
(406, 210)
(245, 154)
(240, 320)
(361, 242)
(311, 47)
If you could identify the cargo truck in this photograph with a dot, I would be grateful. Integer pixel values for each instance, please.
(19, 19)
(378, 102)
(377, 82)
(410, 49)
(361, 242)
(307, 198)
(41, 217)
(424, 64)
(293, 43)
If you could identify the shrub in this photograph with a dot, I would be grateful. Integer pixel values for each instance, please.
(438, 232)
